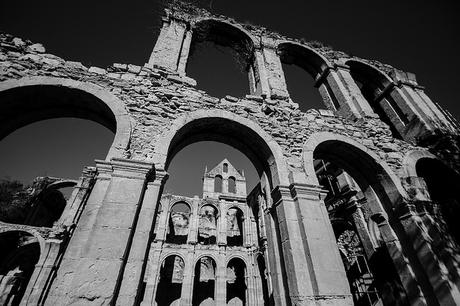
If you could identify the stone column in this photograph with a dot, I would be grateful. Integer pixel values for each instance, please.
(163, 222)
(222, 233)
(188, 282)
(261, 85)
(361, 226)
(168, 48)
(135, 265)
(95, 257)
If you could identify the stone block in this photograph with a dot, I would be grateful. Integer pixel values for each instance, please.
(97, 70)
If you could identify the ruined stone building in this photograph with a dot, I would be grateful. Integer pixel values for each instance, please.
(357, 203)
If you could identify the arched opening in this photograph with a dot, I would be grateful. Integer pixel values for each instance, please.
(442, 183)
(236, 282)
(204, 282)
(207, 228)
(231, 184)
(179, 221)
(221, 55)
(357, 196)
(235, 232)
(218, 183)
(170, 281)
(301, 68)
(225, 168)
(263, 274)
(374, 88)
(66, 125)
(20, 253)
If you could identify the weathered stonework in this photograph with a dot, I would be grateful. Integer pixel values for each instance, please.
(99, 251)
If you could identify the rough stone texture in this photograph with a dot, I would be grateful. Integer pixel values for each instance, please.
(110, 228)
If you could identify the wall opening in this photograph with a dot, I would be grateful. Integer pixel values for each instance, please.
(442, 183)
(179, 222)
(170, 281)
(221, 59)
(301, 67)
(207, 228)
(355, 201)
(231, 184)
(235, 230)
(218, 183)
(204, 282)
(236, 282)
(20, 253)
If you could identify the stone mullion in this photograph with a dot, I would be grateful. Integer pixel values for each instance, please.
(188, 280)
(246, 228)
(327, 273)
(152, 278)
(445, 291)
(259, 65)
(298, 268)
(135, 265)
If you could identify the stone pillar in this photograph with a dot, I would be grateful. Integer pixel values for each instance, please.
(348, 93)
(135, 265)
(220, 293)
(168, 48)
(194, 221)
(151, 274)
(189, 277)
(274, 71)
(326, 272)
(445, 291)
(222, 232)
(361, 226)
(95, 257)
(406, 273)
(163, 222)
(260, 74)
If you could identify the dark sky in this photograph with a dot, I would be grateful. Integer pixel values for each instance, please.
(416, 36)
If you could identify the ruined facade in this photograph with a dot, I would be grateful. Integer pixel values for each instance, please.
(356, 202)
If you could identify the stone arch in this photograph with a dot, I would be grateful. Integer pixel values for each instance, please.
(410, 160)
(179, 223)
(63, 98)
(237, 273)
(208, 215)
(238, 256)
(304, 57)
(235, 226)
(353, 150)
(260, 148)
(204, 283)
(170, 280)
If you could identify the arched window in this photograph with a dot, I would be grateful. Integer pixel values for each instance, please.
(301, 67)
(19, 255)
(234, 227)
(170, 281)
(207, 229)
(218, 183)
(231, 184)
(228, 55)
(205, 282)
(225, 168)
(236, 282)
(179, 220)
(443, 184)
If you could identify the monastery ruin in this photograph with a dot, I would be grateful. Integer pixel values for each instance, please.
(357, 202)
